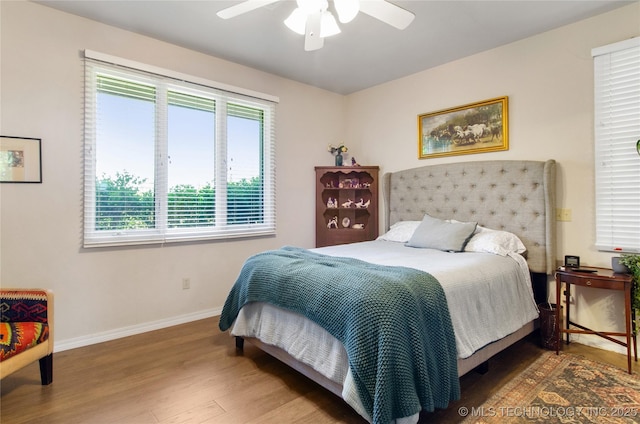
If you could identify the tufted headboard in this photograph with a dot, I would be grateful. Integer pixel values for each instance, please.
(514, 196)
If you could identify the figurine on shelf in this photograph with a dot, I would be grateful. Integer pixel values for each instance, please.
(345, 222)
(353, 162)
(347, 204)
(333, 222)
(358, 226)
(362, 204)
(366, 185)
(332, 203)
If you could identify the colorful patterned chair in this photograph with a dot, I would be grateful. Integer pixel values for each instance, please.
(26, 331)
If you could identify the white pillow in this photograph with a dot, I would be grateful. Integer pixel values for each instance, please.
(400, 232)
(494, 241)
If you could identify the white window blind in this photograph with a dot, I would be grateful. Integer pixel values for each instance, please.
(617, 129)
(170, 157)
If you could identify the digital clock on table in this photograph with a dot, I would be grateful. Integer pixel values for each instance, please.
(571, 261)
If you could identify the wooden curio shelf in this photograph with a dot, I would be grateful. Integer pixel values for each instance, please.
(346, 204)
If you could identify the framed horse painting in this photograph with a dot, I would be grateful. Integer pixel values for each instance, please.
(474, 128)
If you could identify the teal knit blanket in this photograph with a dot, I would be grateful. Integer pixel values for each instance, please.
(393, 322)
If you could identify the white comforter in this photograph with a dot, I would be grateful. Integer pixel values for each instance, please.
(489, 297)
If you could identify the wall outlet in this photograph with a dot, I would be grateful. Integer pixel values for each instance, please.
(563, 215)
(186, 283)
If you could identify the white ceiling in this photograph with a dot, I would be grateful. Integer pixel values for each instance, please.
(366, 53)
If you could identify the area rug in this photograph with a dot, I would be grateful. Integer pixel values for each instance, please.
(563, 388)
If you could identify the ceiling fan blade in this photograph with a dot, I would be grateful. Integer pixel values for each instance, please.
(312, 39)
(244, 7)
(387, 12)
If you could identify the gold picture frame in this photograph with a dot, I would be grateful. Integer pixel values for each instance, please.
(474, 128)
(20, 160)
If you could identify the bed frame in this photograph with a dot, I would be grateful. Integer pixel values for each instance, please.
(514, 196)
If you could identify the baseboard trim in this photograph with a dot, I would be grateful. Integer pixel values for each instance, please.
(118, 333)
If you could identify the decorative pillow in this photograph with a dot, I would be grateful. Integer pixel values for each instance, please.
(494, 241)
(400, 232)
(438, 234)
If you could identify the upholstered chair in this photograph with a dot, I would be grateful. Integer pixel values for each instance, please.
(26, 331)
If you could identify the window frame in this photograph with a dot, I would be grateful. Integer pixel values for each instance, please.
(169, 80)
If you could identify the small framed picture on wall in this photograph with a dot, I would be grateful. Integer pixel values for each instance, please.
(20, 160)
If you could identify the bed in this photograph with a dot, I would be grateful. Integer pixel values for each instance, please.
(501, 197)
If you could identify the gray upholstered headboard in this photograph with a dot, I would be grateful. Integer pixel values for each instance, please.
(514, 196)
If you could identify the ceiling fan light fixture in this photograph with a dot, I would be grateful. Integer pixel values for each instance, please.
(347, 9)
(328, 25)
(296, 21)
(312, 6)
(313, 19)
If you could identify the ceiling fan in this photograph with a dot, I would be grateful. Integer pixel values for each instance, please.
(312, 18)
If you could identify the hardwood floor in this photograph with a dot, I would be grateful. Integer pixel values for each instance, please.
(192, 373)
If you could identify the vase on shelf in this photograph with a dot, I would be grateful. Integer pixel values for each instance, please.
(339, 159)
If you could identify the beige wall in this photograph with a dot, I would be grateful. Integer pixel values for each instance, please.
(105, 293)
(549, 81)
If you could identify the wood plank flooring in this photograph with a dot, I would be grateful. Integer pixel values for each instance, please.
(192, 373)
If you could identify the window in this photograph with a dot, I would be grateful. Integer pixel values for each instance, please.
(617, 129)
(173, 158)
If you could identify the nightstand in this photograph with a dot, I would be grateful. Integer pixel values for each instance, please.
(601, 278)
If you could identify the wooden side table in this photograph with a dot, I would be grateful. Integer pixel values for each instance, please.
(602, 278)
